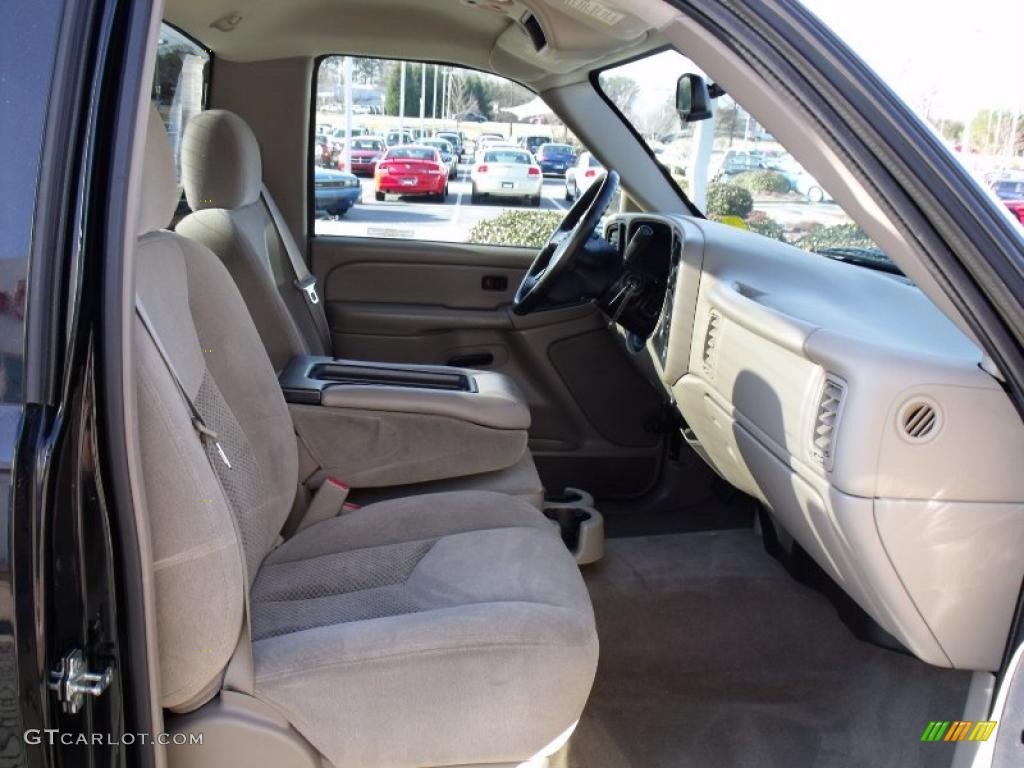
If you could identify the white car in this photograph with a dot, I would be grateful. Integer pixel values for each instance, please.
(488, 143)
(809, 187)
(583, 173)
(506, 172)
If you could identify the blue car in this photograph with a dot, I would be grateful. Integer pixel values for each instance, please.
(334, 191)
(555, 159)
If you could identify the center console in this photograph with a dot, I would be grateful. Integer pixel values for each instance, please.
(384, 424)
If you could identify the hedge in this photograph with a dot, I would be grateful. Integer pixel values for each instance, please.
(529, 229)
(763, 224)
(729, 200)
(763, 182)
(836, 236)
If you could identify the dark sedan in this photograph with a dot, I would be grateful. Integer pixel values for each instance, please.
(334, 192)
(555, 159)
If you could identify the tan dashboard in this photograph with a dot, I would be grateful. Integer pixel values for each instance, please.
(861, 416)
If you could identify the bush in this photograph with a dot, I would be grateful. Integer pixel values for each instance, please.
(836, 236)
(763, 224)
(729, 200)
(763, 182)
(529, 229)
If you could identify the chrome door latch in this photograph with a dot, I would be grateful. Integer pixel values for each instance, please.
(72, 681)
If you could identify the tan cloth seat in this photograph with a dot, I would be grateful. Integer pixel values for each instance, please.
(222, 174)
(439, 630)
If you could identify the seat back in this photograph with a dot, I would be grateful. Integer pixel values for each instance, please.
(222, 172)
(211, 525)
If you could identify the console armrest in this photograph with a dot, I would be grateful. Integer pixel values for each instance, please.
(495, 401)
(381, 424)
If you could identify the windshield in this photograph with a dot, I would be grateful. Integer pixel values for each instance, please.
(508, 157)
(374, 145)
(412, 153)
(731, 167)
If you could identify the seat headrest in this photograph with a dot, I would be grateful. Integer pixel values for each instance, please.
(220, 161)
(160, 190)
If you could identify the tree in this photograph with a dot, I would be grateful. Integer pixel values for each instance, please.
(622, 91)
(461, 98)
(990, 132)
(369, 71)
(413, 76)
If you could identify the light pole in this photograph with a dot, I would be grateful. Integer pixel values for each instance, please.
(423, 96)
(348, 114)
(401, 102)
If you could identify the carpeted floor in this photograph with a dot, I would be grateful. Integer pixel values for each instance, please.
(713, 657)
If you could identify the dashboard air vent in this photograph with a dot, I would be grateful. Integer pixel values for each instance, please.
(826, 420)
(711, 341)
(919, 420)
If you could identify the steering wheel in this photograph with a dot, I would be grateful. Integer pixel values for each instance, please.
(559, 255)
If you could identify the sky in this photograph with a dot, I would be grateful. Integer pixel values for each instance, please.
(959, 57)
(945, 59)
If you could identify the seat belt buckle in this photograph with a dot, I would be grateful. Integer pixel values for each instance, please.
(308, 286)
(327, 502)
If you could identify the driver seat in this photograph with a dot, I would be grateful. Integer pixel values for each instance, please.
(222, 173)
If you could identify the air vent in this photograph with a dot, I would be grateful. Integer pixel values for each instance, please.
(708, 354)
(534, 30)
(919, 420)
(826, 420)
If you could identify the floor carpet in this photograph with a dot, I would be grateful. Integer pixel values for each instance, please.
(713, 657)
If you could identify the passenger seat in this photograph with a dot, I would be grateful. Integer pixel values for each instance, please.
(222, 172)
(451, 629)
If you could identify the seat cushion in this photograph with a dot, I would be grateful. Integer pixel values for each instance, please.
(446, 629)
(520, 480)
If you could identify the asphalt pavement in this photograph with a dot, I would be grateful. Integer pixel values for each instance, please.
(414, 218)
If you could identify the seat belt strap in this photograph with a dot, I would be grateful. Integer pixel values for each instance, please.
(239, 675)
(304, 279)
(206, 435)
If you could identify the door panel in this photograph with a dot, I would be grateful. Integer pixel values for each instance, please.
(595, 415)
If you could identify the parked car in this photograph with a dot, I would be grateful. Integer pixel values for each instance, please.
(507, 172)
(555, 159)
(411, 170)
(580, 176)
(396, 138)
(322, 150)
(366, 151)
(334, 192)
(533, 142)
(448, 155)
(1011, 192)
(810, 188)
(483, 145)
(456, 139)
(725, 166)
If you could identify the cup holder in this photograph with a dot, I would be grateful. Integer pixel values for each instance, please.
(569, 497)
(581, 529)
(569, 520)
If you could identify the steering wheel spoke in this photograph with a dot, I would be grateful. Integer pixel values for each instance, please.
(563, 248)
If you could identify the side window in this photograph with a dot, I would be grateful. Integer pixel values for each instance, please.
(179, 83)
(433, 152)
(731, 167)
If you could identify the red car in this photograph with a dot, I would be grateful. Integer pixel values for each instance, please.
(411, 170)
(366, 151)
(1011, 192)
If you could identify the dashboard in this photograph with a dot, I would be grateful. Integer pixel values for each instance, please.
(855, 411)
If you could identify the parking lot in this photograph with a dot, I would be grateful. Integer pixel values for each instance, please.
(415, 218)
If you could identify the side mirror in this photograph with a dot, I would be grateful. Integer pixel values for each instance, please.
(693, 103)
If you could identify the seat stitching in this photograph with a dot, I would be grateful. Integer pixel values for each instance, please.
(409, 654)
(403, 541)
